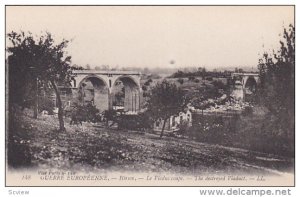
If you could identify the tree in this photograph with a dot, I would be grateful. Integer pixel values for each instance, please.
(166, 99)
(277, 88)
(38, 59)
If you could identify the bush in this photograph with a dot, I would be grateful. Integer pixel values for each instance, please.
(18, 143)
(209, 78)
(191, 78)
(18, 152)
(219, 85)
(183, 127)
(144, 88)
(180, 80)
(146, 83)
(139, 122)
(46, 104)
(247, 111)
(84, 113)
(196, 80)
(248, 132)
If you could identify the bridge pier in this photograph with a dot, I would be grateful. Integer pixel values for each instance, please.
(132, 99)
(244, 82)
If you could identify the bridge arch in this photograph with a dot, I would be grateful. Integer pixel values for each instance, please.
(126, 93)
(245, 85)
(251, 84)
(92, 76)
(95, 90)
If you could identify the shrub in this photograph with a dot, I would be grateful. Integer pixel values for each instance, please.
(191, 78)
(196, 80)
(209, 78)
(147, 83)
(183, 127)
(180, 80)
(18, 143)
(219, 84)
(18, 153)
(46, 104)
(144, 88)
(84, 113)
(247, 111)
(139, 122)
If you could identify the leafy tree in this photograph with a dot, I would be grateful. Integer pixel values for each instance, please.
(45, 103)
(277, 88)
(166, 99)
(84, 113)
(37, 59)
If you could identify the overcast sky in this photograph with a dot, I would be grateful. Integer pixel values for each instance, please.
(154, 36)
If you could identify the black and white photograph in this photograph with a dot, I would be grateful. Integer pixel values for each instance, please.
(150, 95)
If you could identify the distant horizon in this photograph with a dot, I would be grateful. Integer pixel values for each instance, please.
(168, 68)
(170, 71)
(214, 37)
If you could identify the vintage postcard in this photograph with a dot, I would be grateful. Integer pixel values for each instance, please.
(150, 95)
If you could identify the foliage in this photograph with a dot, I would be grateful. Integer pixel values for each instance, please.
(277, 88)
(108, 149)
(46, 104)
(38, 59)
(18, 148)
(110, 114)
(196, 80)
(209, 78)
(119, 97)
(180, 80)
(183, 127)
(247, 111)
(144, 88)
(139, 122)
(153, 76)
(201, 72)
(219, 85)
(148, 82)
(166, 99)
(84, 113)
(191, 78)
(18, 140)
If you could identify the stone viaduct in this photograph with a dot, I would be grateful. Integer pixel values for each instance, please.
(104, 85)
(244, 84)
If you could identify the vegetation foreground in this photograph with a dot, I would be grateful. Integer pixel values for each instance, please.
(36, 143)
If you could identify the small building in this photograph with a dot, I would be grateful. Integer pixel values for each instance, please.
(172, 123)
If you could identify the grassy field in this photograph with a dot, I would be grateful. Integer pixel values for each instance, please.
(37, 143)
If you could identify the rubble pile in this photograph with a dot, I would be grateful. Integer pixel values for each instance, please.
(222, 104)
